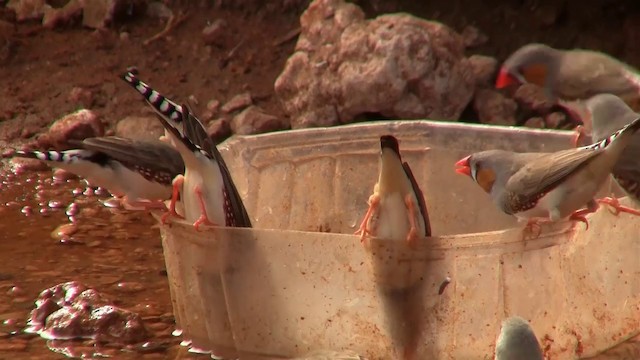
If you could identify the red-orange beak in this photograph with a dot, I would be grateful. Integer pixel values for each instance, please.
(505, 79)
(462, 166)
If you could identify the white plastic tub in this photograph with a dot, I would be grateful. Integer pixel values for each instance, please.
(299, 282)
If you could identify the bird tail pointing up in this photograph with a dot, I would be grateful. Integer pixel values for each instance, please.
(621, 137)
(164, 107)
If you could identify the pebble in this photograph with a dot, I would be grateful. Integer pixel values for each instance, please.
(130, 287)
(64, 232)
(26, 210)
(56, 204)
(72, 209)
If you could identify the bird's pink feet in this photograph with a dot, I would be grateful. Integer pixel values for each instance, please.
(374, 201)
(204, 218)
(580, 133)
(580, 215)
(618, 208)
(176, 188)
(412, 236)
(534, 223)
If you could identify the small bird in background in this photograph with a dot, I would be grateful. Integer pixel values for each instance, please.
(602, 115)
(567, 75)
(208, 194)
(543, 187)
(138, 171)
(397, 208)
(517, 341)
(570, 74)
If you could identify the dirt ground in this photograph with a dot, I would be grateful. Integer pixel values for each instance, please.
(39, 67)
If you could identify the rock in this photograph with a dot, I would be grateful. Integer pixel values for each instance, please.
(484, 69)
(97, 14)
(81, 96)
(219, 129)
(555, 120)
(494, 108)
(79, 125)
(238, 102)
(158, 10)
(473, 37)
(398, 66)
(535, 122)
(27, 9)
(532, 97)
(253, 120)
(140, 128)
(214, 34)
(57, 16)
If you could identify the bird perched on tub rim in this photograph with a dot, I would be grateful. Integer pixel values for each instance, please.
(603, 114)
(397, 210)
(540, 187)
(208, 193)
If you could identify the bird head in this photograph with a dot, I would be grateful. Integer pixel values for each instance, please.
(533, 63)
(487, 167)
(607, 113)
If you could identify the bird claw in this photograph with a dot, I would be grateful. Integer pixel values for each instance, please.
(374, 201)
(613, 202)
(531, 224)
(202, 220)
(580, 215)
(580, 133)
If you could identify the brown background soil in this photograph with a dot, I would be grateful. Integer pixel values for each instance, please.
(39, 67)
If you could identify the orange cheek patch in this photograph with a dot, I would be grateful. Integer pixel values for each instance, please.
(485, 178)
(535, 74)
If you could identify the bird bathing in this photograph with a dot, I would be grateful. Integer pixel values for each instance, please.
(300, 282)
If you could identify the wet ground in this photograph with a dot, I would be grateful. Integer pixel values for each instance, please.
(116, 252)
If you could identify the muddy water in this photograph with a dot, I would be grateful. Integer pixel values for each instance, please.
(116, 252)
(45, 240)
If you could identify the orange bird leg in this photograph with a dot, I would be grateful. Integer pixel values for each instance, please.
(374, 201)
(412, 236)
(203, 219)
(580, 215)
(615, 204)
(532, 223)
(580, 133)
(177, 183)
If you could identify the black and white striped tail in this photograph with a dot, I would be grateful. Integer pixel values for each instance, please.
(166, 108)
(631, 128)
(67, 156)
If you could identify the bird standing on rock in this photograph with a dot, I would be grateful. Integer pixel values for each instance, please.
(517, 341)
(138, 171)
(603, 114)
(541, 187)
(397, 208)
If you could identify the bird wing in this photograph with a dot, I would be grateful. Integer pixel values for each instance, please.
(152, 156)
(194, 131)
(420, 197)
(541, 175)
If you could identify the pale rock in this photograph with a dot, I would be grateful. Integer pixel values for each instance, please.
(146, 128)
(395, 65)
(238, 102)
(253, 120)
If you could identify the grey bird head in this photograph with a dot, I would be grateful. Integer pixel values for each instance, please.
(517, 341)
